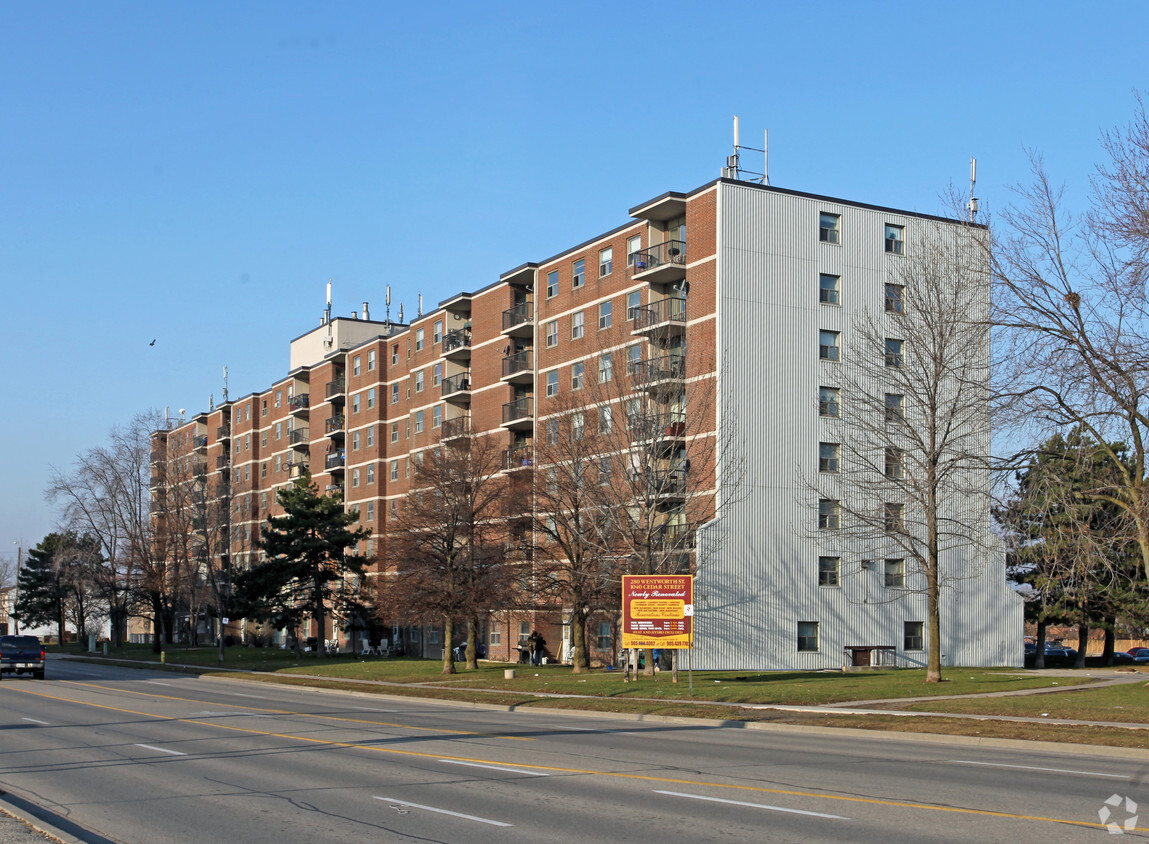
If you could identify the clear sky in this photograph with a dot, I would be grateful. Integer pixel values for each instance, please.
(194, 173)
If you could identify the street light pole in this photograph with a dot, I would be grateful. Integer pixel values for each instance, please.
(15, 587)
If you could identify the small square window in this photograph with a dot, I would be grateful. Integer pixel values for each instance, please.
(578, 371)
(829, 571)
(552, 383)
(828, 289)
(894, 517)
(577, 322)
(807, 635)
(604, 315)
(420, 337)
(895, 409)
(895, 239)
(915, 636)
(829, 515)
(829, 228)
(895, 574)
(828, 345)
(605, 262)
(633, 245)
(552, 334)
(893, 353)
(552, 284)
(895, 298)
(829, 455)
(633, 303)
(578, 273)
(829, 401)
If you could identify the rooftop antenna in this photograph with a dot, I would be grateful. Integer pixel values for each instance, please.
(419, 313)
(734, 169)
(400, 313)
(211, 401)
(972, 181)
(388, 301)
(225, 385)
(328, 341)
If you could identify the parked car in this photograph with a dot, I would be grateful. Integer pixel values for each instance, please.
(21, 655)
(1140, 655)
(1058, 650)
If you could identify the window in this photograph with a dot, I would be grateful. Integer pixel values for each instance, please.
(355, 441)
(355, 403)
(370, 511)
(829, 571)
(828, 401)
(370, 436)
(604, 471)
(552, 383)
(893, 352)
(394, 470)
(263, 439)
(577, 321)
(247, 442)
(605, 262)
(602, 638)
(394, 510)
(437, 416)
(394, 394)
(829, 228)
(394, 432)
(603, 315)
(895, 298)
(914, 637)
(578, 424)
(263, 470)
(370, 397)
(278, 397)
(895, 463)
(419, 381)
(552, 284)
(278, 463)
(828, 289)
(894, 516)
(394, 354)
(895, 408)
(896, 574)
(605, 368)
(578, 370)
(552, 333)
(633, 244)
(354, 477)
(604, 420)
(420, 337)
(828, 457)
(418, 421)
(633, 303)
(239, 444)
(552, 431)
(578, 273)
(355, 365)
(829, 514)
(807, 635)
(437, 375)
(263, 408)
(895, 239)
(278, 430)
(437, 332)
(371, 361)
(370, 473)
(828, 345)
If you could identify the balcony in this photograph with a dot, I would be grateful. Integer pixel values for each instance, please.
(661, 263)
(673, 537)
(668, 484)
(221, 462)
(457, 388)
(334, 489)
(334, 427)
(519, 367)
(335, 461)
(223, 432)
(518, 457)
(199, 468)
(337, 390)
(666, 317)
(200, 443)
(661, 375)
(295, 468)
(460, 426)
(299, 403)
(457, 344)
(519, 414)
(667, 427)
(518, 321)
(300, 437)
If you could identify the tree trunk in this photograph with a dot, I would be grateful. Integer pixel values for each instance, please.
(1082, 645)
(448, 655)
(1110, 636)
(472, 642)
(1039, 648)
(933, 601)
(579, 660)
(648, 666)
(320, 618)
(157, 625)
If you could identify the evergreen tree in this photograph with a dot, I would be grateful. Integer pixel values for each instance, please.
(307, 565)
(51, 574)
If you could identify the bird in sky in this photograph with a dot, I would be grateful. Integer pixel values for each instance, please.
(152, 343)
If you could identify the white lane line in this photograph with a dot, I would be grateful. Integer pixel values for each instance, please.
(593, 730)
(35, 721)
(443, 811)
(753, 805)
(161, 749)
(158, 683)
(497, 768)
(1049, 770)
(368, 709)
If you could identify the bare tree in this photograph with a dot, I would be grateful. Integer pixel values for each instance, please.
(909, 481)
(447, 546)
(1072, 304)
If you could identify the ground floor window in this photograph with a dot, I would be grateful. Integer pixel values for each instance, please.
(602, 640)
(807, 635)
(914, 636)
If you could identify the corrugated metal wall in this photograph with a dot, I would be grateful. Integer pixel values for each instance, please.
(758, 563)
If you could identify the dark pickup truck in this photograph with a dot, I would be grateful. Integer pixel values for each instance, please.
(21, 655)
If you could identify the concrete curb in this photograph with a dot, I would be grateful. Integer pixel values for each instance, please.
(47, 822)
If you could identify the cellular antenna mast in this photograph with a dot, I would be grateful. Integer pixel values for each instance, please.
(734, 168)
(225, 385)
(972, 207)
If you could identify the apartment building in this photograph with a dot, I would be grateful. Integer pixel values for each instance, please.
(705, 319)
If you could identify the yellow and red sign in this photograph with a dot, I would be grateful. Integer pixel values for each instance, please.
(657, 611)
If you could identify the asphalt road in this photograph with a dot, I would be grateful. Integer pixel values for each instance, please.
(140, 756)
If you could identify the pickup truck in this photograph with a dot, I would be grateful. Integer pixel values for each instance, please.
(21, 654)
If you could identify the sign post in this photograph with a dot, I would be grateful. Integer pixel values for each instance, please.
(658, 611)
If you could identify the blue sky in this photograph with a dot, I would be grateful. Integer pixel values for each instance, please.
(196, 172)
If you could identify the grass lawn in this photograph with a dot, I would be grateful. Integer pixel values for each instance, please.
(1127, 703)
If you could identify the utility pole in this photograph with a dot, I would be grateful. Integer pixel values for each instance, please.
(14, 594)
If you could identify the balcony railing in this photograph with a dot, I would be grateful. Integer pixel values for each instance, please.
(670, 252)
(222, 432)
(460, 338)
(518, 362)
(657, 426)
(673, 537)
(665, 368)
(299, 402)
(456, 384)
(300, 436)
(199, 443)
(520, 313)
(199, 467)
(671, 483)
(669, 310)
(335, 460)
(460, 426)
(334, 425)
(516, 457)
(522, 408)
(221, 462)
(334, 488)
(336, 387)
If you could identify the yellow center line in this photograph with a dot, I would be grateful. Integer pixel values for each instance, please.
(873, 801)
(290, 712)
